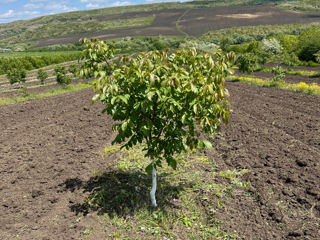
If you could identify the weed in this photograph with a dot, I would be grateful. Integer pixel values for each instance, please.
(52, 92)
(187, 198)
(311, 89)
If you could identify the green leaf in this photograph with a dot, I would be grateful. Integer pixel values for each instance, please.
(124, 126)
(149, 169)
(207, 144)
(201, 144)
(183, 119)
(113, 99)
(95, 98)
(150, 95)
(195, 109)
(124, 99)
(172, 162)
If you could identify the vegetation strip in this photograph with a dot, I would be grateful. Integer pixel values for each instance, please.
(50, 93)
(311, 89)
(295, 72)
(177, 23)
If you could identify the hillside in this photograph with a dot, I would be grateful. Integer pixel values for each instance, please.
(190, 18)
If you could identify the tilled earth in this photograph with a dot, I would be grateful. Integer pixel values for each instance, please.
(289, 78)
(273, 133)
(193, 22)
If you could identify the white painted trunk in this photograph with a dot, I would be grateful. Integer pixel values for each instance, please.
(154, 187)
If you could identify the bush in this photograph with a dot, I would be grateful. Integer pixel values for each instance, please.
(62, 77)
(290, 59)
(247, 62)
(73, 68)
(279, 74)
(288, 42)
(42, 76)
(317, 56)
(200, 45)
(17, 76)
(309, 45)
(271, 45)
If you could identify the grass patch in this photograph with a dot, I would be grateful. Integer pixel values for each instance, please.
(300, 5)
(244, 34)
(293, 72)
(35, 54)
(177, 23)
(311, 89)
(188, 198)
(52, 92)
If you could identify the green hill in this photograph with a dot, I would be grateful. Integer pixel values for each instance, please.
(114, 22)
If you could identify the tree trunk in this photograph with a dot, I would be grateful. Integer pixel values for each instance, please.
(154, 187)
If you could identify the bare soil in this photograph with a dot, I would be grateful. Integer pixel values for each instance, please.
(164, 24)
(199, 21)
(195, 22)
(46, 144)
(290, 78)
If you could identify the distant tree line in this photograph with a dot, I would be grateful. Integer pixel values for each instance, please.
(34, 62)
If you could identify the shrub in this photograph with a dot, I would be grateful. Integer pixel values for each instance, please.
(200, 45)
(288, 42)
(73, 68)
(42, 76)
(290, 59)
(317, 56)
(309, 45)
(62, 77)
(247, 62)
(271, 45)
(279, 74)
(17, 76)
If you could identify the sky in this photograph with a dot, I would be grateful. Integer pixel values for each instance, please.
(11, 10)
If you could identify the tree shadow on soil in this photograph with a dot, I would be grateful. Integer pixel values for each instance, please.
(122, 193)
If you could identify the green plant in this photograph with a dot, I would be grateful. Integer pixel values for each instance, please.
(163, 99)
(271, 45)
(317, 56)
(17, 76)
(97, 58)
(290, 59)
(246, 62)
(42, 76)
(74, 69)
(279, 73)
(33, 60)
(309, 45)
(288, 42)
(61, 75)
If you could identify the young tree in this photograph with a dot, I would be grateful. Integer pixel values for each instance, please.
(279, 73)
(62, 77)
(17, 76)
(165, 100)
(73, 68)
(247, 62)
(42, 76)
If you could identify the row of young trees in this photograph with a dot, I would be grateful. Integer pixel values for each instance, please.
(62, 75)
(35, 62)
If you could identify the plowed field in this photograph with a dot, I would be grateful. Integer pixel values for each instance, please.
(273, 133)
(195, 22)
